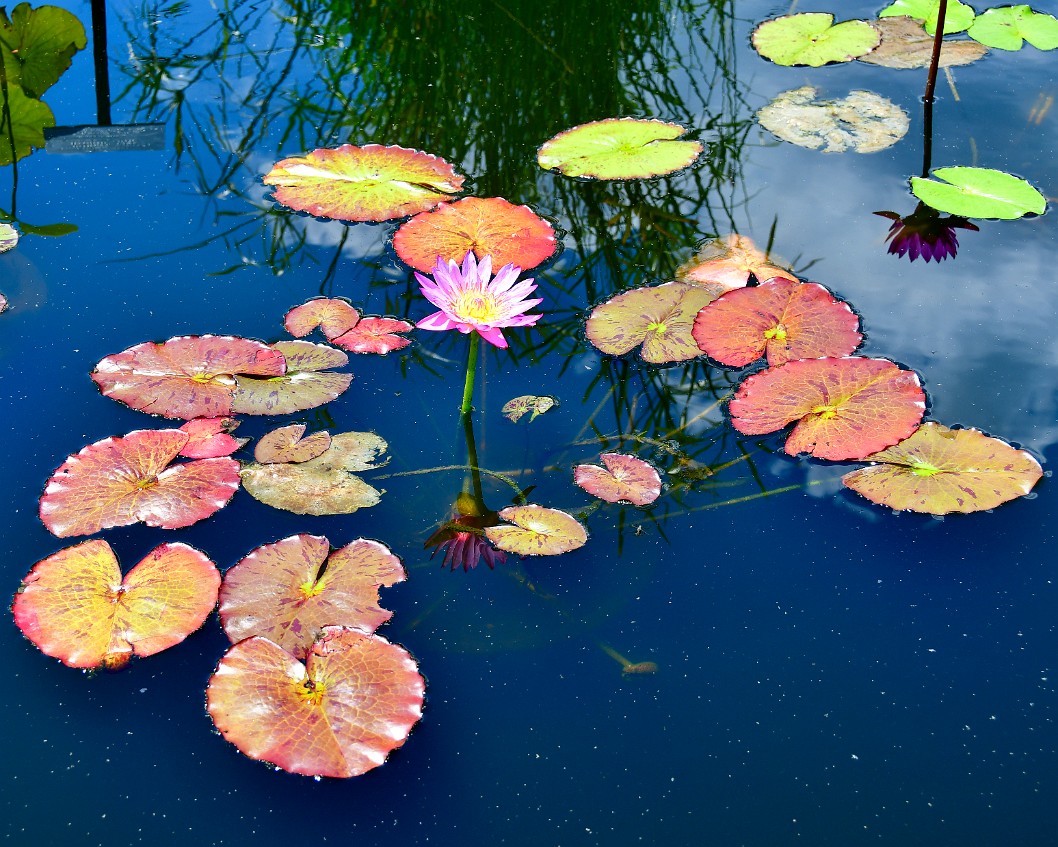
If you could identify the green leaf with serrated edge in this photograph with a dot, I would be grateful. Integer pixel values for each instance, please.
(1008, 27)
(957, 18)
(979, 193)
(813, 39)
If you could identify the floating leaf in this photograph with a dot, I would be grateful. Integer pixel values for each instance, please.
(339, 715)
(624, 479)
(537, 531)
(331, 314)
(8, 237)
(288, 591)
(957, 18)
(287, 445)
(619, 148)
(324, 485)
(515, 408)
(305, 385)
(727, 263)
(906, 44)
(369, 183)
(375, 335)
(862, 122)
(846, 408)
(29, 119)
(185, 377)
(979, 193)
(75, 606)
(1008, 27)
(38, 45)
(208, 438)
(120, 481)
(813, 39)
(940, 470)
(490, 226)
(780, 318)
(658, 317)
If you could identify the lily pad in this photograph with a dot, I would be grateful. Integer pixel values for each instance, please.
(29, 119)
(38, 45)
(906, 44)
(286, 444)
(375, 335)
(369, 183)
(340, 714)
(726, 263)
(325, 485)
(624, 479)
(862, 122)
(938, 470)
(957, 17)
(185, 377)
(489, 226)
(304, 385)
(8, 237)
(813, 39)
(845, 408)
(781, 319)
(288, 591)
(619, 148)
(75, 606)
(332, 315)
(537, 531)
(515, 408)
(658, 317)
(210, 438)
(122, 481)
(979, 193)
(1009, 27)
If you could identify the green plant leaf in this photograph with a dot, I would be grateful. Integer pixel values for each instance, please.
(979, 193)
(1008, 27)
(37, 45)
(29, 118)
(813, 39)
(957, 18)
(619, 148)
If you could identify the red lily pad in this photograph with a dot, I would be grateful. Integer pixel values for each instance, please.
(938, 470)
(209, 438)
(780, 318)
(286, 444)
(845, 408)
(489, 226)
(305, 385)
(75, 606)
(727, 263)
(375, 335)
(369, 183)
(537, 531)
(332, 315)
(624, 479)
(340, 714)
(288, 591)
(120, 481)
(658, 317)
(619, 148)
(185, 377)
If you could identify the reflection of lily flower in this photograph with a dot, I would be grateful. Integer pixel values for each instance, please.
(925, 233)
(465, 544)
(470, 300)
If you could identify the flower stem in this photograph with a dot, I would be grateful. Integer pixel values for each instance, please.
(472, 366)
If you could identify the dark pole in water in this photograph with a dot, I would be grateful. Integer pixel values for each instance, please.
(102, 67)
(931, 84)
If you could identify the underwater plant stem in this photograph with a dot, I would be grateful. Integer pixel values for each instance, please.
(472, 458)
(472, 367)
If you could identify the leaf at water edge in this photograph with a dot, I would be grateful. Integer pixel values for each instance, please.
(979, 193)
(278, 590)
(121, 481)
(75, 606)
(624, 478)
(619, 148)
(537, 531)
(286, 444)
(375, 335)
(354, 701)
(813, 39)
(845, 408)
(1008, 27)
(332, 315)
(304, 385)
(938, 470)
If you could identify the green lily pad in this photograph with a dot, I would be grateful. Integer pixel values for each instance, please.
(29, 118)
(957, 18)
(813, 39)
(1009, 27)
(37, 45)
(619, 148)
(979, 193)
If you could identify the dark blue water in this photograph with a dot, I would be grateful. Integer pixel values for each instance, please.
(829, 673)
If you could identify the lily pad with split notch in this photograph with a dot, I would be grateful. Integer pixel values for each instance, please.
(305, 383)
(813, 39)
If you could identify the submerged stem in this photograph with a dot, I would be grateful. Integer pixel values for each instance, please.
(472, 363)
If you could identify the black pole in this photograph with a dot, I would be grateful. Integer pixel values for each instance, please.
(102, 66)
(931, 85)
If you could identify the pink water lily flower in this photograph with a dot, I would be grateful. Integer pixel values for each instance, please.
(470, 300)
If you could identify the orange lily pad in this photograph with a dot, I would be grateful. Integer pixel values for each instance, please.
(727, 263)
(537, 531)
(332, 315)
(938, 470)
(286, 444)
(845, 408)
(288, 591)
(369, 183)
(375, 335)
(209, 438)
(624, 478)
(782, 319)
(340, 714)
(305, 384)
(657, 318)
(75, 606)
(121, 481)
(489, 226)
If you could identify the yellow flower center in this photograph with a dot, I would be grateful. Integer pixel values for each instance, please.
(476, 307)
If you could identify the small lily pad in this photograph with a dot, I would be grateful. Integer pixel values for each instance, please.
(978, 193)
(623, 479)
(210, 438)
(287, 444)
(332, 315)
(1008, 27)
(723, 264)
(619, 148)
(957, 18)
(375, 335)
(537, 531)
(8, 237)
(862, 122)
(813, 39)
(518, 406)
